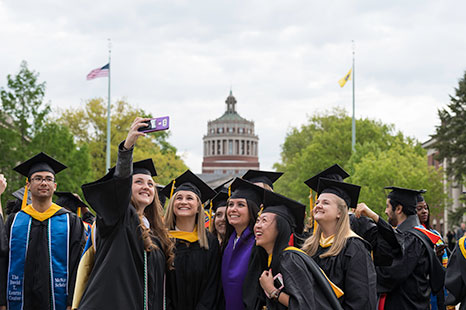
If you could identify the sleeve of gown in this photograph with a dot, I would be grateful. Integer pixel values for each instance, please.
(111, 195)
(4, 249)
(77, 241)
(360, 278)
(454, 282)
(387, 246)
(210, 296)
(389, 277)
(300, 284)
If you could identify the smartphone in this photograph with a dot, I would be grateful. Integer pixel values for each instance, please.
(156, 124)
(278, 281)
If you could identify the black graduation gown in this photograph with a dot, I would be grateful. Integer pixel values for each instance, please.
(406, 281)
(117, 278)
(37, 293)
(299, 284)
(381, 236)
(352, 270)
(455, 279)
(195, 282)
(3, 261)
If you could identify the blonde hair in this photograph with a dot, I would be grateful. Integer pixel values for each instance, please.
(170, 220)
(343, 232)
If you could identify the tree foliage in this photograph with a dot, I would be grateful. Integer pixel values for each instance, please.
(383, 157)
(450, 136)
(25, 130)
(89, 126)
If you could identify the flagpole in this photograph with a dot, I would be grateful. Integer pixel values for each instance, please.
(353, 134)
(108, 106)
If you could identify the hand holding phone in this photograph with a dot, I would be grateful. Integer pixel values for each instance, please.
(156, 124)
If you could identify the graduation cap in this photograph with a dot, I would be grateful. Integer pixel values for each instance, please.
(292, 211)
(162, 197)
(404, 196)
(188, 181)
(145, 166)
(346, 191)
(219, 200)
(334, 172)
(69, 201)
(19, 194)
(419, 197)
(38, 163)
(258, 176)
(244, 189)
(222, 187)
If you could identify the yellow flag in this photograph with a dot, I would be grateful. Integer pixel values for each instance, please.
(345, 79)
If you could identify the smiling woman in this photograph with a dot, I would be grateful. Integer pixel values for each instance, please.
(242, 208)
(193, 284)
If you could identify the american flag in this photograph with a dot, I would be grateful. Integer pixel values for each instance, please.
(99, 72)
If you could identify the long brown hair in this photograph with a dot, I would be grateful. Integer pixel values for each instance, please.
(153, 212)
(343, 232)
(170, 220)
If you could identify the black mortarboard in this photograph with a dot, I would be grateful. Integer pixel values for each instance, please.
(219, 200)
(346, 191)
(162, 197)
(69, 201)
(292, 211)
(258, 176)
(419, 196)
(188, 181)
(334, 172)
(38, 163)
(19, 194)
(145, 166)
(244, 189)
(222, 187)
(404, 196)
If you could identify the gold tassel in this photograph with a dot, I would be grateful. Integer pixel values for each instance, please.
(173, 188)
(229, 191)
(260, 211)
(311, 207)
(25, 196)
(78, 212)
(210, 214)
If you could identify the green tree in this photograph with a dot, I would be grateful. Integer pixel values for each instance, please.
(450, 135)
(26, 130)
(326, 139)
(23, 101)
(57, 141)
(89, 126)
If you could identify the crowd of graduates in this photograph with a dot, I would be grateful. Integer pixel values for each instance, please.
(150, 247)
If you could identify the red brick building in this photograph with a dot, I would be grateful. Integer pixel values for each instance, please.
(231, 146)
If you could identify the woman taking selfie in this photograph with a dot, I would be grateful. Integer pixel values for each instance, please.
(132, 246)
(342, 255)
(291, 279)
(194, 282)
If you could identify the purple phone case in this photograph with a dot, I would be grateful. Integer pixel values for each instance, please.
(157, 124)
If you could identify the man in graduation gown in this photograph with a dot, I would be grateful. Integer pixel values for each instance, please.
(45, 243)
(408, 282)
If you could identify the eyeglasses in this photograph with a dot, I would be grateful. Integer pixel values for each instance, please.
(39, 180)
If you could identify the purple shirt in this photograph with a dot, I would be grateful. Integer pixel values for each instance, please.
(234, 268)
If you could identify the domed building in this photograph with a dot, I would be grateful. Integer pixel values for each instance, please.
(231, 146)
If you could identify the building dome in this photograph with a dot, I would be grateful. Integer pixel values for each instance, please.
(230, 145)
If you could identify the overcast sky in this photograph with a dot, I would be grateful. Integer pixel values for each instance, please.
(282, 59)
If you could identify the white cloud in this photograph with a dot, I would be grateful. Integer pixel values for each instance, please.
(283, 59)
